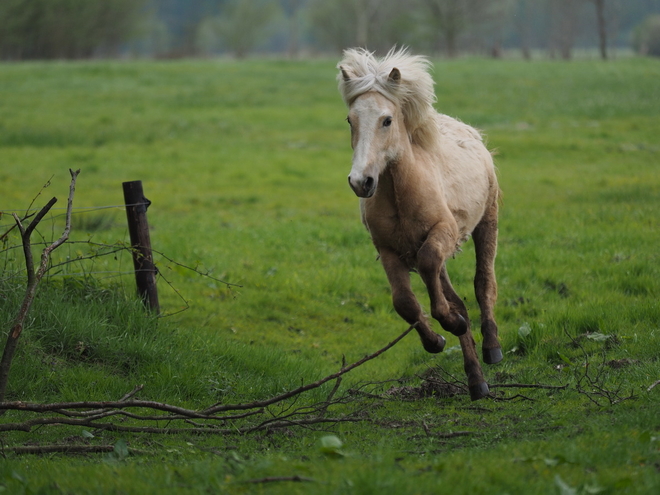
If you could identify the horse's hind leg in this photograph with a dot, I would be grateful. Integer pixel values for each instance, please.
(405, 302)
(476, 383)
(485, 285)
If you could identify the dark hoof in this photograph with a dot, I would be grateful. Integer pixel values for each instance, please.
(436, 346)
(479, 391)
(492, 356)
(459, 326)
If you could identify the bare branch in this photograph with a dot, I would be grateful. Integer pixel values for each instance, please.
(43, 188)
(33, 279)
(67, 449)
(453, 434)
(304, 388)
(595, 382)
(93, 411)
(272, 479)
(62, 449)
(528, 385)
(131, 393)
(42, 213)
(513, 397)
(95, 406)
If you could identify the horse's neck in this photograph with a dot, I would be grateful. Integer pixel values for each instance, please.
(407, 177)
(415, 165)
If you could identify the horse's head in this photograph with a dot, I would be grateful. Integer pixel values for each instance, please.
(377, 127)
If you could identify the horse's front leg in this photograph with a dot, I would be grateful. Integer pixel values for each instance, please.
(446, 306)
(431, 257)
(405, 302)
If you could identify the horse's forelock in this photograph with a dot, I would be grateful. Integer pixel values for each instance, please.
(413, 92)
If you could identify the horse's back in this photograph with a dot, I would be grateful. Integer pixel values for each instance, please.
(467, 171)
(454, 128)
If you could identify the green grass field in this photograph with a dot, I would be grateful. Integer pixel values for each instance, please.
(245, 164)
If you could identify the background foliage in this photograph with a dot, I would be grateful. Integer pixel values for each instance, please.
(646, 37)
(38, 29)
(45, 29)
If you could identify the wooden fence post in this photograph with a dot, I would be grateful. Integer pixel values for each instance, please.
(138, 228)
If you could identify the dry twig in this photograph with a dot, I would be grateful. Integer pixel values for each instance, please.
(272, 479)
(34, 277)
(89, 413)
(592, 385)
(528, 385)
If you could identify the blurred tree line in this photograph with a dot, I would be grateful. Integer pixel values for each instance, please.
(46, 29)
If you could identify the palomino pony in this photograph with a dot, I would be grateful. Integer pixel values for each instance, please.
(426, 182)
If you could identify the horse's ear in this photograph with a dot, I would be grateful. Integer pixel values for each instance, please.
(395, 76)
(345, 74)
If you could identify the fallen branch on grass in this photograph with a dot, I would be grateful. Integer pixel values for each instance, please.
(66, 449)
(305, 388)
(592, 384)
(273, 479)
(514, 397)
(90, 413)
(528, 385)
(451, 434)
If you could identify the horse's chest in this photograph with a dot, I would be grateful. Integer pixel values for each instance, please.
(403, 234)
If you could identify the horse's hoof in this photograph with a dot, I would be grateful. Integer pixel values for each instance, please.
(492, 356)
(435, 347)
(460, 327)
(479, 391)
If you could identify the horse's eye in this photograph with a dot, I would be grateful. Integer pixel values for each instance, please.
(387, 122)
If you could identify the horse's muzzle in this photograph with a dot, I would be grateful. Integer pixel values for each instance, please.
(363, 188)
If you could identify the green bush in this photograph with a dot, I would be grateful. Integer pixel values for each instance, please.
(646, 37)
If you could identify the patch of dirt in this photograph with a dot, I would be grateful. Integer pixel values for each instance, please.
(434, 384)
(620, 363)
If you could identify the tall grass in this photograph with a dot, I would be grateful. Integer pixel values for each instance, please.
(90, 342)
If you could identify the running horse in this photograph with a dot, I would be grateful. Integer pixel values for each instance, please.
(426, 182)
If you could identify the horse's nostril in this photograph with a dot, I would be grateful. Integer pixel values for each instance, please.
(368, 183)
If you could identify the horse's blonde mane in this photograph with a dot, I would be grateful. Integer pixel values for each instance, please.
(413, 93)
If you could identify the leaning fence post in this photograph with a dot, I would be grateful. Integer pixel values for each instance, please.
(138, 228)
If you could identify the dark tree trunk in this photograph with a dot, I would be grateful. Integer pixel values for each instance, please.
(602, 28)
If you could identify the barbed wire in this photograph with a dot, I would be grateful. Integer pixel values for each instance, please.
(81, 209)
(97, 250)
(90, 208)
